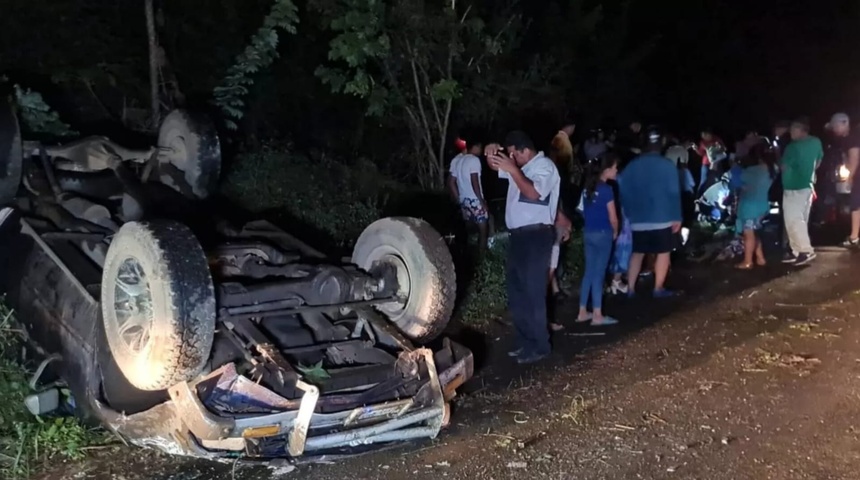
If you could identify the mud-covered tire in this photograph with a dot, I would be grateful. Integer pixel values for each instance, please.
(11, 152)
(423, 262)
(190, 154)
(181, 306)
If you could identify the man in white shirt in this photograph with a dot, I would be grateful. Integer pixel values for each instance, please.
(464, 184)
(530, 214)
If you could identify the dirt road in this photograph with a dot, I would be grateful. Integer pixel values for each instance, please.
(753, 375)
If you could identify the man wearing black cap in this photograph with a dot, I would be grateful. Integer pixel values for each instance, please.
(651, 196)
(798, 165)
(530, 214)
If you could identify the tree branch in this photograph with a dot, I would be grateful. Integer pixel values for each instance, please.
(428, 84)
(155, 103)
(420, 103)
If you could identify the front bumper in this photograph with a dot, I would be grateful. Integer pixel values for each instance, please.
(207, 418)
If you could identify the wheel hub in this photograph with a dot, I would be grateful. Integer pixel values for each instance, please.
(404, 284)
(133, 306)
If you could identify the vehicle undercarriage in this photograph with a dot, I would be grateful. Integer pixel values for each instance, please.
(184, 330)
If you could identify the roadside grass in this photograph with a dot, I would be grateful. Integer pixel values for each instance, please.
(27, 441)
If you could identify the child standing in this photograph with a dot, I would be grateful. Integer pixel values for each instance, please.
(753, 205)
(621, 257)
(600, 231)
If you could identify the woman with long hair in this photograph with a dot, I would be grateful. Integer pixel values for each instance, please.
(600, 231)
(753, 205)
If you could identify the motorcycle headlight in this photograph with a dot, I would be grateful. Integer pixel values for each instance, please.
(843, 173)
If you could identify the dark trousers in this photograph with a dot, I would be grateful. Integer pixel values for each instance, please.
(527, 274)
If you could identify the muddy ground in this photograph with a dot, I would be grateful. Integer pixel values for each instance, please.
(751, 375)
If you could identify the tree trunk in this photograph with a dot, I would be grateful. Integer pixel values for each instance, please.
(155, 104)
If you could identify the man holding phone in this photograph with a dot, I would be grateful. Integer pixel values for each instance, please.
(530, 214)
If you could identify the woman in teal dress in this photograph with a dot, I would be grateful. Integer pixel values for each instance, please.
(753, 205)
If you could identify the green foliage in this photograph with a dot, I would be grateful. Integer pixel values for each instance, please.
(410, 59)
(25, 440)
(325, 195)
(314, 374)
(37, 117)
(259, 54)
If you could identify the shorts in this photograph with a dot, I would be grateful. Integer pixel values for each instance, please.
(473, 211)
(854, 199)
(742, 224)
(556, 249)
(654, 241)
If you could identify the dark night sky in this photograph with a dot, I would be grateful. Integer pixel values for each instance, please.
(737, 64)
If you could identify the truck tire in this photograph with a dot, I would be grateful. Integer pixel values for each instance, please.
(190, 156)
(424, 270)
(11, 152)
(158, 304)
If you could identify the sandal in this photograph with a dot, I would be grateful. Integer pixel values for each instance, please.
(605, 321)
(761, 263)
(744, 266)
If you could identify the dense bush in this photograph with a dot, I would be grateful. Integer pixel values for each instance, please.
(321, 197)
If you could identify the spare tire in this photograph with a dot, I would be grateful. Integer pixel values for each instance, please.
(158, 304)
(189, 159)
(422, 263)
(11, 152)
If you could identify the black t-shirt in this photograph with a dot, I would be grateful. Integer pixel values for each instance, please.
(846, 143)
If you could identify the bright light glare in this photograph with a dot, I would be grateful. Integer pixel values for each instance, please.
(844, 173)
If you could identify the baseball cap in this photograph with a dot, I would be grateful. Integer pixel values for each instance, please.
(839, 118)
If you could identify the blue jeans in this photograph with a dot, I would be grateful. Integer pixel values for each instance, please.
(598, 248)
(527, 272)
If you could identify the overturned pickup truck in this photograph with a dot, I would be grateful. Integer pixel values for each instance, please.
(184, 330)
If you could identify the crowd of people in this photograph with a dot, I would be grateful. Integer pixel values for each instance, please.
(635, 191)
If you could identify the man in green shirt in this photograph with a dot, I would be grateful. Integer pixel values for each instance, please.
(798, 165)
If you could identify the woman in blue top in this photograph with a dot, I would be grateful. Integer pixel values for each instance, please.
(600, 231)
(753, 204)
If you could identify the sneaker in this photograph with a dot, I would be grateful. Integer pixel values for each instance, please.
(665, 293)
(515, 353)
(531, 358)
(804, 258)
(851, 242)
(789, 257)
(605, 321)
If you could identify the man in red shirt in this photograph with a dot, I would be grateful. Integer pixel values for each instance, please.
(712, 150)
